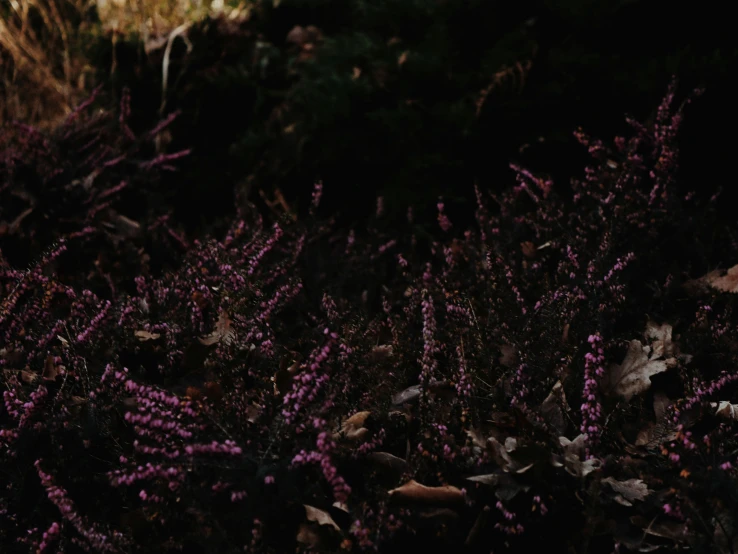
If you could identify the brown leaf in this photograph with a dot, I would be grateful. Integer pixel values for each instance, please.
(409, 394)
(529, 249)
(307, 534)
(388, 460)
(143, 336)
(628, 491)
(551, 408)
(126, 226)
(415, 492)
(654, 435)
(664, 528)
(28, 376)
(284, 377)
(509, 355)
(633, 375)
(726, 410)
(353, 428)
(223, 332)
(320, 517)
(723, 282)
(381, 352)
(297, 36)
(573, 452)
(403, 58)
(50, 369)
(253, 411)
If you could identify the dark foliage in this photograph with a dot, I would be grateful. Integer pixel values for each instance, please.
(298, 385)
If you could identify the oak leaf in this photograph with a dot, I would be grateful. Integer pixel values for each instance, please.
(633, 375)
(627, 491)
(223, 332)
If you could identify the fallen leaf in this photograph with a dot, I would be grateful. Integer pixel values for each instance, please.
(223, 332)
(409, 394)
(723, 282)
(320, 517)
(50, 369)
(655, 434)
(353, 428)
(253, 411)
(389, 460)
(28, 376)
(307, 535)
(628, 491)
(415, 492)
(633, 375)
(143, 336)
(551, 408)
(528, 249)
(381, 352)
(402, 59)
(573, 452)
(726, 409)
(509, 355)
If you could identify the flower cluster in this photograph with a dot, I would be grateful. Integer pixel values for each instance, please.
(298, 385)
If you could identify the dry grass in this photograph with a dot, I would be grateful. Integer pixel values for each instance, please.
(42, 73)
(43, 70)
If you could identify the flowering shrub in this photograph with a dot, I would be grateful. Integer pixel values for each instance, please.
(92, 180)
(555, 371)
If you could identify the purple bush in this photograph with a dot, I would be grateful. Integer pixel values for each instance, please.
(561, 369)
(92, 180)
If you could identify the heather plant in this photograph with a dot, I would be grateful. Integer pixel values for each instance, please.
(563, 368)
(94, 181)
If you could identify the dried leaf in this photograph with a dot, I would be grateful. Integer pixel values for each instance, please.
(253, 411)
(341, 506)
(528, 249)
(28, 376)
(415, 492)
(320, 517)
(143, 336)
(308, 535)
(551, 408)
(127, 227)
(381, 352)
(573, 452)
(50, 369)
(388, 460)
(477, 437)
(509, 355)
(490, 479)
(633, 375)
(284, 378)
(223, 332)
(723, 282)
(628, 491)
(664, 528)
(660, 403)
(402, 59)
(353, 428)
(726, 409)
(409, 394)
(441, 514)
(655, 434)
(662, 345)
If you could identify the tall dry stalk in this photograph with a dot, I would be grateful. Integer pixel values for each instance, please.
(42, 70)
